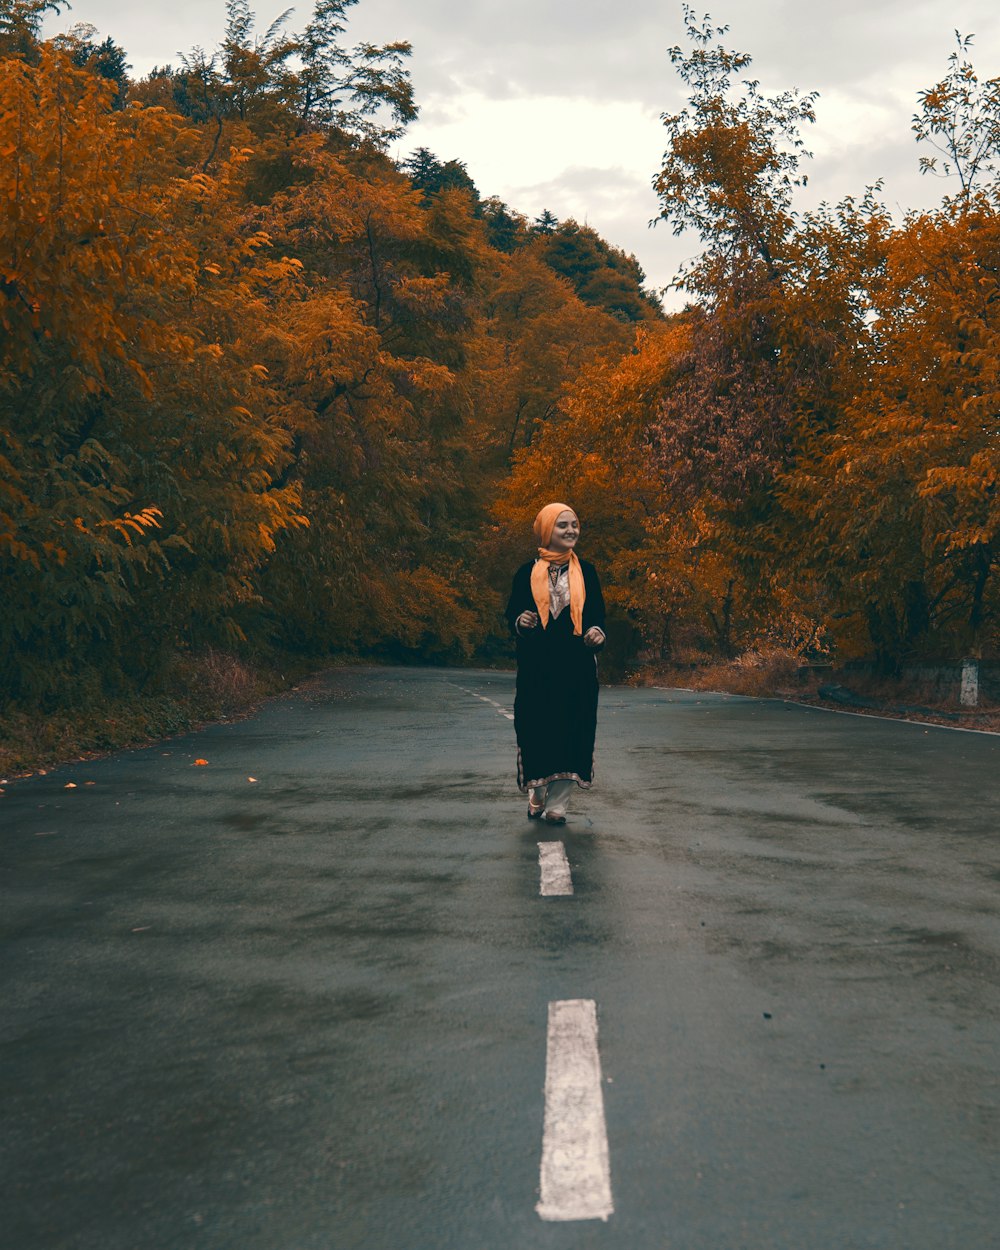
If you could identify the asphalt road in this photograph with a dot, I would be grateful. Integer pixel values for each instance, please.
(308, 1012)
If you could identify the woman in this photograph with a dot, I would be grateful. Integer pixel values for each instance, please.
(556, 612)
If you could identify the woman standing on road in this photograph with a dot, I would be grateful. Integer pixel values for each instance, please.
(556, 612)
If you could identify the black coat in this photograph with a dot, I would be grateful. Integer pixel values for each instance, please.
(555, 704)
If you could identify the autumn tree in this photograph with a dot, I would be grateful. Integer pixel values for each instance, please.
(960, 117)
(372, 352)
(898, 498)
(729, 171)
(306, 372)
(140, 440)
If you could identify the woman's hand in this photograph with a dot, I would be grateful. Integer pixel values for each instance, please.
(594, 636)
(527, 620)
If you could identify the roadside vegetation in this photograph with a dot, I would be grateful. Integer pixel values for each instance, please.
(213, 686)
(782, 675)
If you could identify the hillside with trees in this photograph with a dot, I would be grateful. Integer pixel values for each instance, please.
(266, 392)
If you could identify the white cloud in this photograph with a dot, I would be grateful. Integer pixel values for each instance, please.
(519, 141)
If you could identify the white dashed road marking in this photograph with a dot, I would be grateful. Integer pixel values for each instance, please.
(575, 1179)
(575, 1173)
(499, 706)
(554, 869)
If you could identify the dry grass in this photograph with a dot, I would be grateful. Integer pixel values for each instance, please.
(781, 674)
(759, 673)
(197, 689)
(221, 684)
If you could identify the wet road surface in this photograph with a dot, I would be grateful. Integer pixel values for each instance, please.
(308, 1012)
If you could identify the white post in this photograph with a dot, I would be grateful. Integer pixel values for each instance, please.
(970, 683)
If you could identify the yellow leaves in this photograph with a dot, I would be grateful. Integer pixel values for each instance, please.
(423, 294)
(422, 374)
(129, 523)
(961, 539)
(145, 519)
(92, 186)
(427, 605)
(895, 505)
(145, 380)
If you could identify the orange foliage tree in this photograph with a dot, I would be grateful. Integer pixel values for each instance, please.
(138, 431)
(275, 381)
(894, 503)
(829, 414)
(896, 507)
(261, 386)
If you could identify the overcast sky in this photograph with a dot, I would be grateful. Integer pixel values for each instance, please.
(556, 103)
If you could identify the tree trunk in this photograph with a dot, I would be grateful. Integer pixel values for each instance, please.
(984, 566)
(666, 640)
(883, 630)
(917, 609)
(723, 629)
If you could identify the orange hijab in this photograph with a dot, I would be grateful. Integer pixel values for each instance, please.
(544, 524)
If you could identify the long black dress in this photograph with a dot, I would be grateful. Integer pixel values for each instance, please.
(555, 704)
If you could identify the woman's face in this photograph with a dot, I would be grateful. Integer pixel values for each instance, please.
(565, 532)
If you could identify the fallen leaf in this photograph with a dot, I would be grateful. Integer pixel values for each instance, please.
(70, 785)
(199, 763)
(251, 779)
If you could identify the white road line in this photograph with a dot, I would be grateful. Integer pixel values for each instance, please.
(575, 1173)
(499, 706)
(554, 869)
(837, 711)
(902, 720)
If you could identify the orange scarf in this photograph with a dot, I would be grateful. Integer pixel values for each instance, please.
(544, 524)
